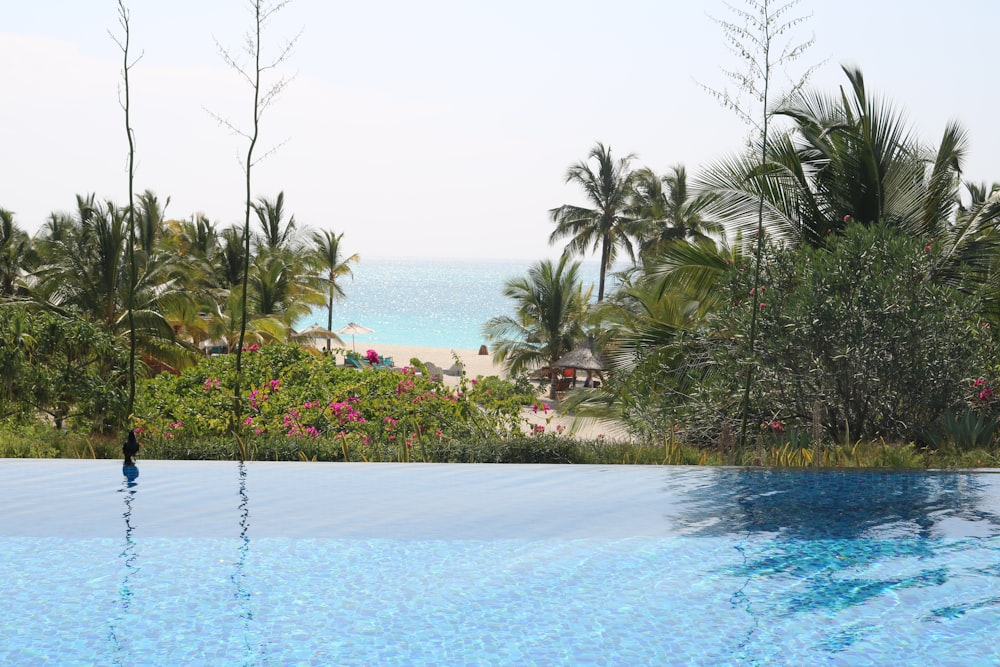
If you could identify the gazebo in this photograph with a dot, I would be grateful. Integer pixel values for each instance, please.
(580, 358)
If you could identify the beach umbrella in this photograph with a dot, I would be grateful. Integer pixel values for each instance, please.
(316, 332)
(581, 358)
(354, 329)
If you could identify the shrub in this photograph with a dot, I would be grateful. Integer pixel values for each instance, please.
(861, 331)
(61, 366)
(326, 411)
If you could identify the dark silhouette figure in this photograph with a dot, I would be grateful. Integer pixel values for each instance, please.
(130, 448)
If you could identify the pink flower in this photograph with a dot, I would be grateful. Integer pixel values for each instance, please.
(763, 305)
(979, 383)
(985, 394)
(248, 420)
(847, 218)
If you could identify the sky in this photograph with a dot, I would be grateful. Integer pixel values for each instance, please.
(440, 128)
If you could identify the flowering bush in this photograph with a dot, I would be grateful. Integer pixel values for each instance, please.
(297, 397)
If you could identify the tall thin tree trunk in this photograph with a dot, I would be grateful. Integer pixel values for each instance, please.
(245, 279)
(123, 17)
(758, 257)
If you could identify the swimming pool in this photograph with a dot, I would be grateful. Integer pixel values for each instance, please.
(218, 563)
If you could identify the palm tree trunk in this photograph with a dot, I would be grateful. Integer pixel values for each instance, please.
(329, 312)
(605, 254)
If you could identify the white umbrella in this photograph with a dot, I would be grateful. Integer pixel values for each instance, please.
(354, 328)
(316, 332)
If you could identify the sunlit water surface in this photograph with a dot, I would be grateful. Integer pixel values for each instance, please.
(428, 303)
(392, 564)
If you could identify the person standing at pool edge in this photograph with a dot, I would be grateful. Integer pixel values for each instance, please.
(130, 448)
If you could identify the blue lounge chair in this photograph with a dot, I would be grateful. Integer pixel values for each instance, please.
(357, 361)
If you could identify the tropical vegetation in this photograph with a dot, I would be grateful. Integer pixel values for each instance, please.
(851, 274)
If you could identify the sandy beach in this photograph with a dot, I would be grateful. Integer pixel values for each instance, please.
(476, 365)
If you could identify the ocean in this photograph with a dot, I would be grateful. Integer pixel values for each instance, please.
(427, 303)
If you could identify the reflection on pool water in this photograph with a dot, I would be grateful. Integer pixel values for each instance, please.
(393, 564)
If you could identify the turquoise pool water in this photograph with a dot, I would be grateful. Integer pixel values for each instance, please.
(392, 564)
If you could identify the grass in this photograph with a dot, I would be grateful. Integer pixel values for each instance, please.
(39, 441)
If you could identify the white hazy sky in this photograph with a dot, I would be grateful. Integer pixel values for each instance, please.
(436, 128)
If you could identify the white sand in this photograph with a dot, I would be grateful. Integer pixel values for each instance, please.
(477, 365)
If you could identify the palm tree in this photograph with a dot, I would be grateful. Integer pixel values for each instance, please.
(231, 258)
(666, 211)
(549, 309)
(848, 157)
(275, 234)
(150, 220)
(647, 324)
(226, 324)
(607, 225)
(329, 260)
(15, 248)
(84, 270)
(278, 290)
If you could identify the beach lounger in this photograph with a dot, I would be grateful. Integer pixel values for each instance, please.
(358, 362)
(434, 370)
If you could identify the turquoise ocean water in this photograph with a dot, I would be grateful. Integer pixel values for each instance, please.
(428, 303)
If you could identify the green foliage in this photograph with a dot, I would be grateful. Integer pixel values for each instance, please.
(549, 310)
(34, 439)
(324, 410)
(971, 430)
(65, 367)
(608, 225)
(861, 330)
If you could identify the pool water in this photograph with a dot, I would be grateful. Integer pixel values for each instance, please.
(393, 564)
